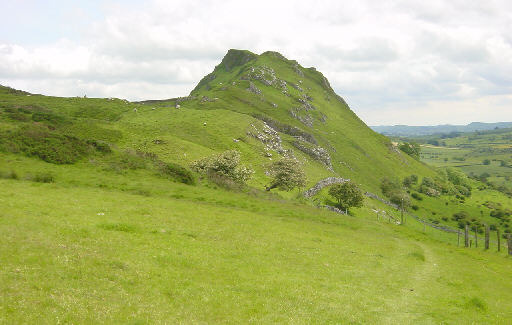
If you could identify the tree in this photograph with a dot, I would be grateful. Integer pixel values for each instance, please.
(286, 174)
(393, 190)
(486, 162)
(226, 164)
(347, 195)
(412, 149)
(410, 180)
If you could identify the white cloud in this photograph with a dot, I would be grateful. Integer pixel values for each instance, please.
(394, 61)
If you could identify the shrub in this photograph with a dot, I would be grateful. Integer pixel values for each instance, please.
(388, 186)
(287, 174)
(486, 162)
(462, 215)
(224, 182)
(49, 118)
(410, 180)
(130, 159)
(430, 187)
(177, 173)
(412, 149)
(44, 178)
(9, 175)
(416, 196)
(415, 207)
(226, 164)
(39, 141)
(463, 190)
(402, 199)
(393, 190)
(100, 146)
(347, 195)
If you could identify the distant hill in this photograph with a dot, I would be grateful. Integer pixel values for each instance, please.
(406, 130)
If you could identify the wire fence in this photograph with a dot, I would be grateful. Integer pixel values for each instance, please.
(446, 233)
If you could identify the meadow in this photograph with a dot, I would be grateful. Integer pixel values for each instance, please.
(82, 254)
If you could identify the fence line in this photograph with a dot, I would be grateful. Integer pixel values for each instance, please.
(443, 228)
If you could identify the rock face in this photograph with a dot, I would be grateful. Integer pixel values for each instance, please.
(270, 138)
(288, 129)
(301, 112)
(316, 152)
(324, 183)
(253, 89)
(298, 70)
(306, 119)
(236, 58)
(267, 76)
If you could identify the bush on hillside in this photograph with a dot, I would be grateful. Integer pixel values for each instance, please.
(392, 189)
(39, 141)
(287, 174)
(9, 175)
(347, 195)
(462, 215)
(416, 196)
(50, 118)
(43, 177)
(100, 146)
(388, 186)
(412, 149)
(177, 173)
(226, 164)
(430, 187)
(131, 159)
(411, 180)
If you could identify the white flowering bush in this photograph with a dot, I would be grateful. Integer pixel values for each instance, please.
(226, 164)
(286, 174)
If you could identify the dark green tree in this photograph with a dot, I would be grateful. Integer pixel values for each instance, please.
(347, 195)
(411, 148)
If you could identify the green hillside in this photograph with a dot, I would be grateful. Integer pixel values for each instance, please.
(103, 219)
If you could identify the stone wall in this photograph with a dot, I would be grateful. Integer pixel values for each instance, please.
(376, 197)
(324, 183)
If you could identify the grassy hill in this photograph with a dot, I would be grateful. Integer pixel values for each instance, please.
(99, 225)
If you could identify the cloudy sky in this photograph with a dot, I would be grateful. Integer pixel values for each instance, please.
(395, 62)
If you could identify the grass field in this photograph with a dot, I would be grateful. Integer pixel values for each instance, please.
(83, 254)
(469, 151)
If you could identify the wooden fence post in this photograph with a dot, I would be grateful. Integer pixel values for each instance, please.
(466, 236)
(476, 237)
(509, 244)
(458, 238)
(486, 237)
(499, 240)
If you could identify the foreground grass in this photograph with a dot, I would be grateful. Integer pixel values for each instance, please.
(83, 254)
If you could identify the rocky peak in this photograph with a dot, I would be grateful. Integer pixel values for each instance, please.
(236, 58)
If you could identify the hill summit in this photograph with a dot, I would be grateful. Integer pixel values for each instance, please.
(306, 116)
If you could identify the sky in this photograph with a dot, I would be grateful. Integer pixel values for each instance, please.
(394, 62)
